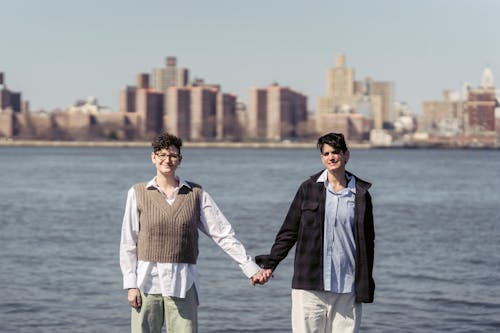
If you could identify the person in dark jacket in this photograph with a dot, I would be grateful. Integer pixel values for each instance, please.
(331, 223)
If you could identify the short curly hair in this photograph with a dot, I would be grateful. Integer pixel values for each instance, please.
(165, 140)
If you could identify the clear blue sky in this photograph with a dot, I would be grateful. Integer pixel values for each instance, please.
(55, 52)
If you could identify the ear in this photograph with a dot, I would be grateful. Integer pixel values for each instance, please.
(153, 157)
(347, 154)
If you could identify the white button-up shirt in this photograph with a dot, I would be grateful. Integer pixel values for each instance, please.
(339, 243)
(175, 279)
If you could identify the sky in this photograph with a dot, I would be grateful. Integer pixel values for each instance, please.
(56, 52)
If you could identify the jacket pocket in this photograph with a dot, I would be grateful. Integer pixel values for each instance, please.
(309, 211)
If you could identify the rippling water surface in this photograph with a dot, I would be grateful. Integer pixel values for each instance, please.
(437, 248)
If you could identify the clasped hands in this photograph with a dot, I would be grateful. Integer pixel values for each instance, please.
(262, 276)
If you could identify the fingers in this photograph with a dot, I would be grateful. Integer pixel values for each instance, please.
(134, 298)
(266, 273)
(261, 277)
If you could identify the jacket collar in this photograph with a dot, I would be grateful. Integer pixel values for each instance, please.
(361, 185)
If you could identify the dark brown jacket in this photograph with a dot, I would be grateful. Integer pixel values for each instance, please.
(304, 227)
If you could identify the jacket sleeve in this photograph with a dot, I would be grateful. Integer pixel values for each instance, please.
(369, 233)
(286, 237)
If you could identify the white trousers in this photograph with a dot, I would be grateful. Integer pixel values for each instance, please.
(323, 311)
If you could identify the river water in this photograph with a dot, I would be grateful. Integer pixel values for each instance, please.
(437, 216)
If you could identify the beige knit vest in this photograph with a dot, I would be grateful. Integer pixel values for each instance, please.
(168, 233)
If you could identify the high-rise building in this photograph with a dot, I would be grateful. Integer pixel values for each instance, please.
(170, 79)
(344, 95)
(384, 92)
(444, 117)
(169, 76)
(8, 98)
(143, 108)
(227, 126)
(480, 106)
(276, 113)
(257, 113)
(178, 111)
(127, 99)
(201, 112)
(149, 108)
(142, 81)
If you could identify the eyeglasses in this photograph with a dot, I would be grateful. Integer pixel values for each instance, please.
(173, 157)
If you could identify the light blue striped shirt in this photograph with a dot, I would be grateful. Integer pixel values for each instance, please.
(339, 244)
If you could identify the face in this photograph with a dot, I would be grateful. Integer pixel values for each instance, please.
(166, 161)
(333, 159)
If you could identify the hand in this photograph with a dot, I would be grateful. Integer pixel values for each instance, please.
(134, 298)
(261, 277)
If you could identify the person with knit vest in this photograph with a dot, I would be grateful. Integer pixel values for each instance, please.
(159, 244)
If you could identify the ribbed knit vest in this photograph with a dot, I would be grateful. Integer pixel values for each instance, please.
(168, 233)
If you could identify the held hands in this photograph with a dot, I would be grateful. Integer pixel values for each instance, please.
(261, 277)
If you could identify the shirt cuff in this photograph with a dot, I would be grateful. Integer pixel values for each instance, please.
(250, 268)
(129, 281)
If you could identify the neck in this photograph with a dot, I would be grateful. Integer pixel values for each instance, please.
(337, 178)
(167, 180)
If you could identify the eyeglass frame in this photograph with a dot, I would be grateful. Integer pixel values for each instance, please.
(174, 157)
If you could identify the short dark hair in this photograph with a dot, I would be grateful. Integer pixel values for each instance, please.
(165, 140)
(336, 140)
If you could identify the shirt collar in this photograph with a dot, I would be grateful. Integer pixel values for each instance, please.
(153, 184)
(351, 180)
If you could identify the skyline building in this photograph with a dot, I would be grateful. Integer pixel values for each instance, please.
(201, 112)
(177, 111)
(8, 98)
(169, 76)
(276, 113)
(11, 105)
(480, 106)
(345, 96)
(444, 117)
(142, 107)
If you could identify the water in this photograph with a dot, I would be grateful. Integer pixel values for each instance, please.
(437, 264)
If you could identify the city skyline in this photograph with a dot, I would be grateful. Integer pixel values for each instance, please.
(56, 53)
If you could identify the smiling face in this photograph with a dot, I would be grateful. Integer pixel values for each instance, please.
(166, 160)
(334, 159)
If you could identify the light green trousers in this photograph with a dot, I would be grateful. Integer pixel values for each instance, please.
(179, 314)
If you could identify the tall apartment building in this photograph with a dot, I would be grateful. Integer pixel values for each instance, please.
(201, 113)
(11, 106)
(346, 96)
(227, 124)
(149, 109)
(276, 113)
(383, 93)
(177, 111)
(8, 98)
(257, 113)
(169, 76)
(143, 108)
(480, 106)
(127, 100)
(445, 117)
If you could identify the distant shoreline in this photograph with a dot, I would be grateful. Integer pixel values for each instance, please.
(186, 144)
(229, 145)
